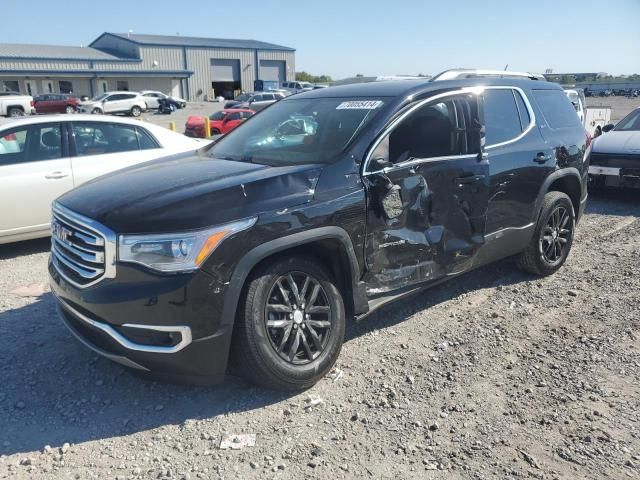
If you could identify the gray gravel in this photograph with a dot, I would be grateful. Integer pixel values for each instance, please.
(496, 374)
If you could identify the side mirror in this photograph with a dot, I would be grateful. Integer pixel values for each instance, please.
(608, 127)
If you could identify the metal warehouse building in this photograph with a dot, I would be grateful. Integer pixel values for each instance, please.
(190, 67)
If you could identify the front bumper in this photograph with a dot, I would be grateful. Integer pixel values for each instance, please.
(164, 325)
(615, 170)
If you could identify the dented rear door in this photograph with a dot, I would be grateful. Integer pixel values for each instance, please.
(426, 208)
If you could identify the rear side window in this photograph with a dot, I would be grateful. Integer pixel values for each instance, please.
(501, 117)
(146, 140)
(97, 138)
(557, 109)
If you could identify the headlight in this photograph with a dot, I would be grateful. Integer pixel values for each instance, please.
(177, 252)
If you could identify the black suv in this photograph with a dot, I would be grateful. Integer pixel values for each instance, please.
(320, 209)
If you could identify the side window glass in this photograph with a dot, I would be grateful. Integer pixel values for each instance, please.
(234, 116)
(145, 140)
(525, 118)
(48, 144)
(13, 146)
(96, 138)
(556, 108)
(447, 128)
(501, 118)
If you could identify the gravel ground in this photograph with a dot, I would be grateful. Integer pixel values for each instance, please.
(492, 375)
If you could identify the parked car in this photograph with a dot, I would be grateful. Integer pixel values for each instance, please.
(43, 157)
(318, 210)
(130, 103)
(593, 118)
(260, 100)
(615, 160)
(222, 122)
(297, 87)
(56, 103)
(243, 97)
(16, 105)
(255, 101)
(152, 97)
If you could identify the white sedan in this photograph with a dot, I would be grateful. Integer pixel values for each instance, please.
(43, 157)
(152, 98)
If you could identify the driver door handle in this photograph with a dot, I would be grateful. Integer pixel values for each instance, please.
(56, 175)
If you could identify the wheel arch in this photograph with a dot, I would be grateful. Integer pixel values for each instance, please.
(326, 242)
(567, 180)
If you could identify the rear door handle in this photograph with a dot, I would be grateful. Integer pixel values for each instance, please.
(542, 158)
(56, 175)
(469, 179)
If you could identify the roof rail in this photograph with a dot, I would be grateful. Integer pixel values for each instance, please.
(456, 73)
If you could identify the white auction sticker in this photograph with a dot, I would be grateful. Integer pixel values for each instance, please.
(359, 105)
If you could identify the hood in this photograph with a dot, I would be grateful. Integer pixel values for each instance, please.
(187, 192)
(622, 143)
(88, 102)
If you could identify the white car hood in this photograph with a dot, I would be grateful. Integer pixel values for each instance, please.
(623, 143)
(88, 103)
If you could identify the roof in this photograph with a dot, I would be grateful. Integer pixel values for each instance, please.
(48, 52)
(403, 88)
(180, 41)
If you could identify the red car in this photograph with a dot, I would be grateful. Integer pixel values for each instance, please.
(221, 122)
(56, 103)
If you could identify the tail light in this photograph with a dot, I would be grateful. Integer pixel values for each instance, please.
(31, 103)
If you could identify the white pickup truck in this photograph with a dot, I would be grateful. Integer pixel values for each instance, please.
(593, 118)
(16, 105)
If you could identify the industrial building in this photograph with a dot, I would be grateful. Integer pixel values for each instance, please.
(189, 67)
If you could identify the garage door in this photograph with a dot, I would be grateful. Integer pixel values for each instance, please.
(223, 70)
(272, 70)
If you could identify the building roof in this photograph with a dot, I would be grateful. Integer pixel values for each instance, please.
(180, 41)
(49, 52)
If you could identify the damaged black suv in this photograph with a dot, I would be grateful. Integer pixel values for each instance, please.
(320, 209)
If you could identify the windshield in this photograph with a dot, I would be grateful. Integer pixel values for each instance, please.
(217, 116)
(629, 123)
(97, 98)
(298, 131)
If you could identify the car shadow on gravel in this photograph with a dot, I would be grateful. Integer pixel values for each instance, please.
(29, 247)
(496, 275)
(612, 201)
(54, 390)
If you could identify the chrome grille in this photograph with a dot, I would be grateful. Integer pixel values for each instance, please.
(82, 250)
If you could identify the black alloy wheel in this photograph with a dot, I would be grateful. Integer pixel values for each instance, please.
(556, 235)
(290, 324)
(298, 318)
(551, 241)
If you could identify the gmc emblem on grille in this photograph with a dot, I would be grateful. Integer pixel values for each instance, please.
(62, 233)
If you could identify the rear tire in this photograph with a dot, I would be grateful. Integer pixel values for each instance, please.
(288, 337)
(215, 131)
(135, 111)
(96, 111)
(69, 109)
(552, 238)
(15, 112)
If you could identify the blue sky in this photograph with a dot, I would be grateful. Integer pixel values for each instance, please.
(371, 37)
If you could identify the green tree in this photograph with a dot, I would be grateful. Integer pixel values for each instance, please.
(307, 77)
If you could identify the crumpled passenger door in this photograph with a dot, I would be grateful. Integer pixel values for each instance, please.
(426, 208)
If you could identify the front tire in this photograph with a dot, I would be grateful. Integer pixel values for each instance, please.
(553, 236)
(215, 131)
(96, 111)
(290, 325)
